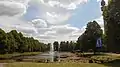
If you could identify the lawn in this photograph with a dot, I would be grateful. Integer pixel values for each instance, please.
(8, 56)
(53, 65)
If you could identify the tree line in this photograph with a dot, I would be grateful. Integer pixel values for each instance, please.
(85, 41)
(14, 41)
(63, 46)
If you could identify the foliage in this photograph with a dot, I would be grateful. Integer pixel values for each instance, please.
(56, 45)
(111, 16)
(3, 41)
(88, 39)
(67, 46)
(15, 42)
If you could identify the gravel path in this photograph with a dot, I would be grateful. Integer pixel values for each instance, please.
(1, 65)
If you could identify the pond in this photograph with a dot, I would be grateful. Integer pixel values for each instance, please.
(45, 55)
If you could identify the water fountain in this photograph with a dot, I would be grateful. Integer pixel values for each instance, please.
(52, 53)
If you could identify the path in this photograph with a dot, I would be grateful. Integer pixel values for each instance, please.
(1, 64)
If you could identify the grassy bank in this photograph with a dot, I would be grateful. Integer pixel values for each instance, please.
(114, 61)
(10, 56)
(53, 65)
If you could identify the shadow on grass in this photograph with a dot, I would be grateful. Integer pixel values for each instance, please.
(108, 62)
(90, 55)
(114, 63)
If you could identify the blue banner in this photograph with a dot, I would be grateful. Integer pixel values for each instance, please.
(99, 43)
(1, 46)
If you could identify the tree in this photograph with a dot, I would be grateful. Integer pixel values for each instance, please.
(11, 44)
(62, 46)
(79, 42)
(111, 14)
(88, 39)
(48, 47)
(14, 41)
(72, 46)
(56, 44)
(3, 42)
(67, 46)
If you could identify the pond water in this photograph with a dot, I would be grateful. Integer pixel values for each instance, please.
(45, 55)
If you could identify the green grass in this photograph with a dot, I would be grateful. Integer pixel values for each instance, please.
(113, 63)
(8, 56)
(53, 65)
(29, 53)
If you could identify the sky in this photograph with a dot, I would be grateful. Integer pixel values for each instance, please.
(49, 20)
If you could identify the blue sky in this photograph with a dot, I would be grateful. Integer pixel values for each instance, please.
(49, 20)
(85, 13)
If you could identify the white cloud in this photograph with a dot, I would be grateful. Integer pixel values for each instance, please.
(46, 37)
(10, 13)
(42, 30)
(53, 33)
(67, 4)
(9, 22)
(54, 12)
(12, 7)
(13, 23)
(27, 30)
(53, 3)
(100, 22)
(25, 2)
(57, 11)
(64, 29)
(72, 4)
(39, 23)
(47, 34)
(55, 18)
(76, 34)
(58, 30)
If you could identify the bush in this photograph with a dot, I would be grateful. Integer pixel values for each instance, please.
(90, 61)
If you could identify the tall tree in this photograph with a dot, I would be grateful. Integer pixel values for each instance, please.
(11, 44)
(111, 15)
(88, 39)
(3, 42)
